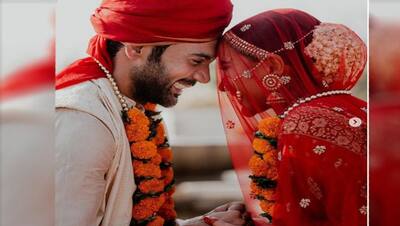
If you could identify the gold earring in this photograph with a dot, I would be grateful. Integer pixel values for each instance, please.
(126, 51)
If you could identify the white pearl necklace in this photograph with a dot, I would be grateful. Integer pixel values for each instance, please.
(114, 85)
(308, 99)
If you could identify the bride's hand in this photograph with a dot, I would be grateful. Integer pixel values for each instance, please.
(239, 206)
(230, 214)
(224, 218)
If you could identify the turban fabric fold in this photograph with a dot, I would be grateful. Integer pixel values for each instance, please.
(146, 22)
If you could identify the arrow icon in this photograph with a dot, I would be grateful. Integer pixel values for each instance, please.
(355, 122)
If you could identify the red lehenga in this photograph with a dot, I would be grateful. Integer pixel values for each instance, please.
(322, 137)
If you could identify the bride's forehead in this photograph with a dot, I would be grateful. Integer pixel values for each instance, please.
(226, 52)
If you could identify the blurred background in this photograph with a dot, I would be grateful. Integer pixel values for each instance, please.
(202, 163)
(384, 96)
(26, 112)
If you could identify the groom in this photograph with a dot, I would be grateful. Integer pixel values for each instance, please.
(144, 51)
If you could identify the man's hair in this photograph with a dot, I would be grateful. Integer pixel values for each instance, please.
(113, 47)
(155, 57)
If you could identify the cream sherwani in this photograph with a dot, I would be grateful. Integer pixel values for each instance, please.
(94, 175)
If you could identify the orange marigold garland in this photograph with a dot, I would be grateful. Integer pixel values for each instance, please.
(157, 160)
(144, 150)
(151, 186)
(167, 211)
(151, 158)
(261, 146)
(166, 154)
(137, 125)
(146, 207)
(146, 170)
(159, 138)
(269, 126)
(158, 221)
(264, 165)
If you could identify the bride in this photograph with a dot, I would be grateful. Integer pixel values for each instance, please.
(297, 136)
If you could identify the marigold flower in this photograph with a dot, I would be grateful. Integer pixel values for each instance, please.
(151, 186)
(258, 166)
(156, 160)
(267, 206)
(150, 106)
(147, 207)
(141, 169)
(269, 126)
(166, 154)
(141, 213)
(168, 175)
(268, 194)
(172, 191)
(158, 221)
(169, 214)
(271, 159)
(167, 211)
(138, 127)
(144, 150)
(272, 173)
(169, 202)
(262, 146)
(160, 134)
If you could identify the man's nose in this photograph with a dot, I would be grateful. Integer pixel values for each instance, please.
(202, 76)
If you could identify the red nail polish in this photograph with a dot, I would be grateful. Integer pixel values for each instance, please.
(208, 220)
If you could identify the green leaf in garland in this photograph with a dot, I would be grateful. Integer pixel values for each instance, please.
(258, 154)
(263, 182)
(142, 160)
(272, 141)
(139, 196)
(169, 186)
(165, 144)
(158, 121)
(143, 222)
(259, 197)
(138, 180)
(165, 165)
(152, 113)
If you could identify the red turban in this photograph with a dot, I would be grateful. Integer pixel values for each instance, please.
(147, 22)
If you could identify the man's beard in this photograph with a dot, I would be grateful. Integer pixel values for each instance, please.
(151, 84)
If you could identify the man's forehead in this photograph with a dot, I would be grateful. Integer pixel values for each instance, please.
(208, 48)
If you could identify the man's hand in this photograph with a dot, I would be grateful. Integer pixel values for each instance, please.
(230, 214)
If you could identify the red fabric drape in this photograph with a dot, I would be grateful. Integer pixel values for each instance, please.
(322, 172)
(29, 78)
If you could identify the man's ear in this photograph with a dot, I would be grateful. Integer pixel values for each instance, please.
(133, 51)
(275, 64)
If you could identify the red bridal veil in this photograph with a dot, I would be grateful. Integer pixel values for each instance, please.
(322, 165)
